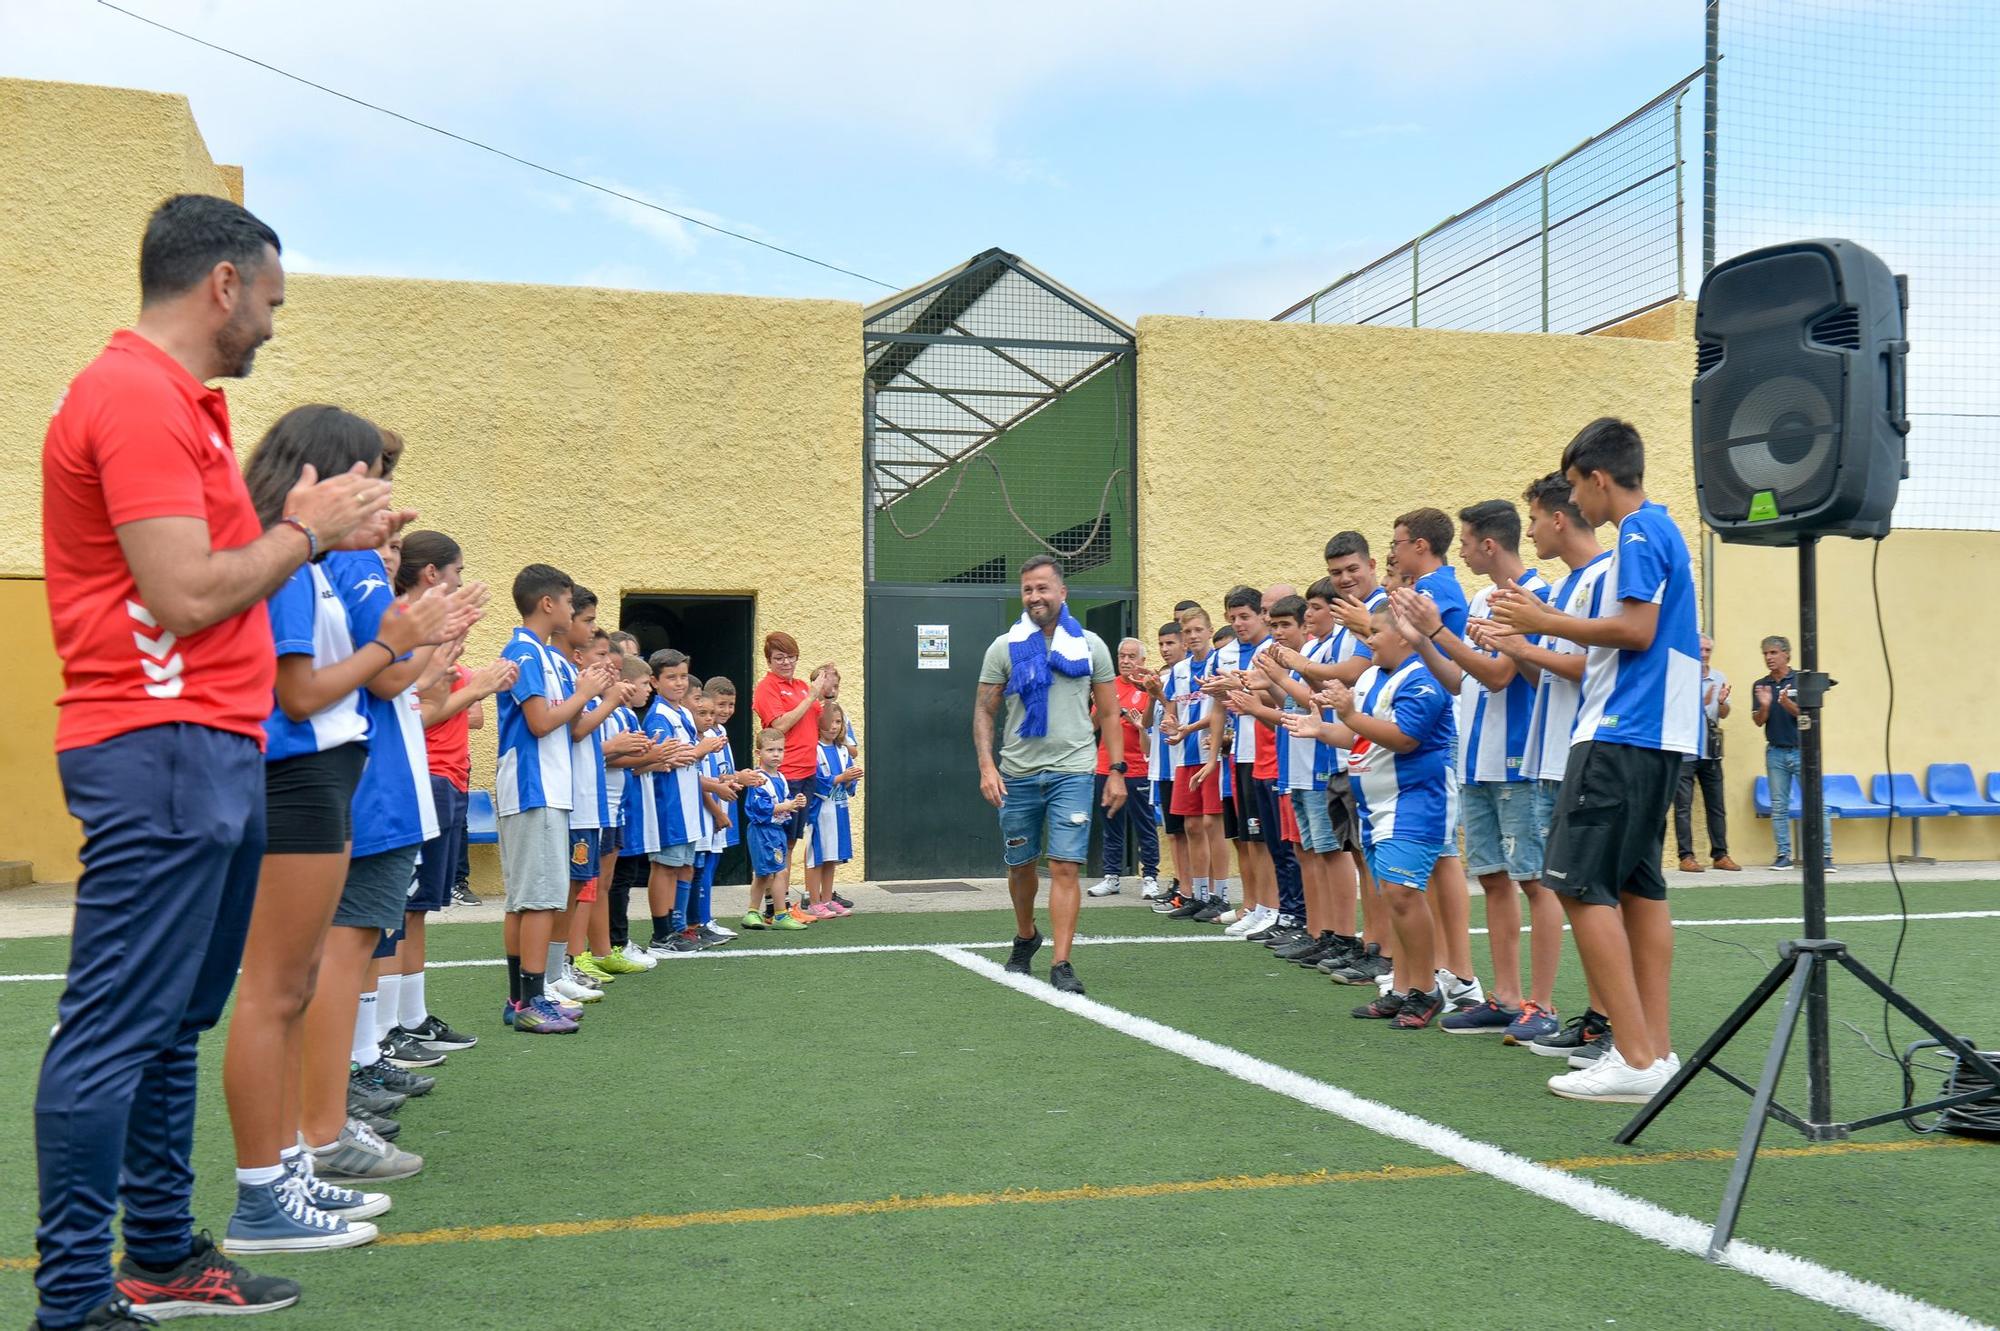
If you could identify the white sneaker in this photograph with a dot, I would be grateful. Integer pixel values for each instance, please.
(639, 956)
(1457, 995)
(1105, 887)
(1249, 922)
(574, 993)
(1149, 889)
(713, 927)
(1612, 1080)
(1230, 916)
(571, 975)
(1384, 983)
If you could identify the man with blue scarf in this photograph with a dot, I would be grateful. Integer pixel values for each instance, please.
(1049, 671)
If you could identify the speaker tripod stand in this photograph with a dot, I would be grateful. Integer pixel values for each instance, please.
(1802, 971)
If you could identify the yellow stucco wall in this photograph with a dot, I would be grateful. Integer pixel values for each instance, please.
(38, 827)
(644, 442)
(1286, 433)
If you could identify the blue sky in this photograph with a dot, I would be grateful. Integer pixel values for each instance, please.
(1163, 157)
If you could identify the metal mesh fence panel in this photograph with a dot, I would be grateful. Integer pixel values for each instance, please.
(1000, 423)
(1881, 124)
(1593, 237)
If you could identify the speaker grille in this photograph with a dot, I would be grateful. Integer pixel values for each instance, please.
(1707, 355)
(1841, 328)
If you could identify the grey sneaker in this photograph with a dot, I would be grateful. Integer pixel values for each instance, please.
(362, 1156)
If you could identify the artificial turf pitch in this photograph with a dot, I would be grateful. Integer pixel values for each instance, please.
(889, 1139)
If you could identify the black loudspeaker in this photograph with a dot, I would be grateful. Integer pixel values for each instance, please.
(1798, 394)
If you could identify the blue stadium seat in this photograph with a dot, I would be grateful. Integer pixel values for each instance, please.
(1993, 785)
(1898, 790)
(1761, 793)
(482, 828)
(1952, 783)
(1845, 800)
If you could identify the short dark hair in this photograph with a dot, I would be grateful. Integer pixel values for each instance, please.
(721, 686)
(1241, 596)
(1222, 635)
(1552, 492)
(1322, 590)
(1288, 607)
(1171, 629)
(581, 598)
(1180, 606)
(666, 659)
(1430, 526)
(1610, 445)
(619, 637)
(421, 549)
(1494, 520)
(1033, 562)
(534, 582)
(329, 439)
(191, 233)
(1345, 543)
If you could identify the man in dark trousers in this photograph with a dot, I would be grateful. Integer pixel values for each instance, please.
(1706, 771)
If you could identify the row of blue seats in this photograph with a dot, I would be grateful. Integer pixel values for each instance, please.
(1951, 791)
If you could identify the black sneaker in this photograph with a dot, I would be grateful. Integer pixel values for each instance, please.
(843, 901)
(383, 1126)
(207, 1282)
(404, 1050)
(1385, 1008)
(1357, 953)
(1420, 1008)
(1190, 908)
(362, 1090)
(1064, 979)
(1024, 951)
(687, 940)
(387, 1076)
(434, 1032)
(1577, 1032)
(463, 895)
(1299, 947)
(1170, 903)
(1284, 936)
(1337, 950)
(114, 1315)
(1369, 969)
(1212, 911)
(713, 937)
(1263, 933)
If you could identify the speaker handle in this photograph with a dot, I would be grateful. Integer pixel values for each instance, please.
(1893, 356)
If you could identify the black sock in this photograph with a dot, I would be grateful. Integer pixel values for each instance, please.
(513, 979)
(663, 928)
(531, 986)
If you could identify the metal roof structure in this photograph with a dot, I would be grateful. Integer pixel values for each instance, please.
(955, 362)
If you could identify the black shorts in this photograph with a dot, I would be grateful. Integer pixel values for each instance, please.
(1240, 818)
(633, 871)
(1345, 813)
(308, 801)
(1173, 824)
(1610, 823)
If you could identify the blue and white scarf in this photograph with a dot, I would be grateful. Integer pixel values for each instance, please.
(1031, 657)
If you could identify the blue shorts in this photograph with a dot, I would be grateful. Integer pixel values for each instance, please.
(1047, 805)
(440, 854)
(1315, 821)
(1404, 862)
(1500, 829)
(768, 846)
(1544, 807)
(583, 854)
(675, 857)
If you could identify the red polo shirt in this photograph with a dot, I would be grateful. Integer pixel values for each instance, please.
(447, 745)
(136, 437)
(1130, 698)
(772, 699)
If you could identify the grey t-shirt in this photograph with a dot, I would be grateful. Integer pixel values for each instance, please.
(1071, 744)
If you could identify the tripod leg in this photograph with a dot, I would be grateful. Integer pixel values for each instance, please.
(1705, 1055)
(1760, 1104)
(1970, 1057)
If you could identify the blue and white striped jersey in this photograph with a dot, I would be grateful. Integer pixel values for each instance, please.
(1404, 796)
(1303, 764)
(1648, 699)
(677, 793)
(308, 619)
(589, 796)
(534, 770)
(1239, 656)
(392, 805)
(1546, 756)
(1495, 723)
(623, 719)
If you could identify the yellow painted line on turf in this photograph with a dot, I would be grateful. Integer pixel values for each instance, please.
(957, 1201)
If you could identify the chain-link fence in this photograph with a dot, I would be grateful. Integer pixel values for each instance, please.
(1881, 124)
(1592, 238)
(1001, 423)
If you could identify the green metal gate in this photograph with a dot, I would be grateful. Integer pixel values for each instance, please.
(1000, 422)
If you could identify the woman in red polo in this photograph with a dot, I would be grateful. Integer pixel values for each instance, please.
(790, 705)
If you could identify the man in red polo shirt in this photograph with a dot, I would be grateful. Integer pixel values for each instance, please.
(157, 571)
(790, 705)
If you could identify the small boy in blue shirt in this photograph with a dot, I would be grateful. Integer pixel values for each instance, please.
(766, 810)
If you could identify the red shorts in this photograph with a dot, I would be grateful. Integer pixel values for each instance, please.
(1288, 822)
(1190, 801)
(586, 892)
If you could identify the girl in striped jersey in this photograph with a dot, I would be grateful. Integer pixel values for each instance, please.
(827, 816)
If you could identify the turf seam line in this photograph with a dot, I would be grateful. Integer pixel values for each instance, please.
(858, 949)
(1681, 1233)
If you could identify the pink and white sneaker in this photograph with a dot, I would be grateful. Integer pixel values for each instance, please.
(835, 909)
(819, 911)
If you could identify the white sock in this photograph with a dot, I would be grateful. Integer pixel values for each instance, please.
(290, 1153)
(558, 954)
(262, 1177)
(365, 1053)
(1201, 889)
(389, 991)
(411, 1009)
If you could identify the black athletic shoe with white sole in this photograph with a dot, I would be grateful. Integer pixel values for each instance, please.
(1064, 979)
(205, 1284)
(1024, 952)
(404, 1050)
(435, 1033)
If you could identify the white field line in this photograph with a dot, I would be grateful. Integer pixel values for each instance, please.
(1587, 1197)
(857, 949)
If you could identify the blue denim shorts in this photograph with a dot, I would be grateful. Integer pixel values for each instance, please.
(1404, 862)
(1047, 805)
(1546, 795)
(675, 857)
(1315, 821)
(1500, 830)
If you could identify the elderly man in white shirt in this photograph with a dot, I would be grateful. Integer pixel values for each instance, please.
(1707, 770)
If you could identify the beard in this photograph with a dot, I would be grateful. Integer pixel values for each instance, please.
(236, 344)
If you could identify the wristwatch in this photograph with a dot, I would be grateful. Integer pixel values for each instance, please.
(1118, 768)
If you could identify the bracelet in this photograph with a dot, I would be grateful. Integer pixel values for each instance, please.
(1433, 635)
(312, 541)
(377, 642)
